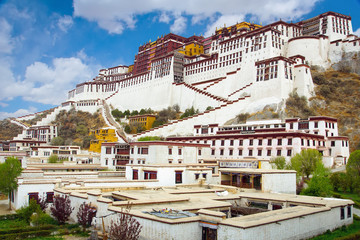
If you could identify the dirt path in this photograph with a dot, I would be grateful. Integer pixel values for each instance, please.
(4, 207)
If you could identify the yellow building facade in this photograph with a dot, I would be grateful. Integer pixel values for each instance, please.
(101, 135)
(146, 120)
(192, 49)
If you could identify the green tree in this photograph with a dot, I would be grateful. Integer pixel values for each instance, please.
(53, 158)
(57, 141)
(305, 162)
(9, 171)
(320, 184)
(353, 170)
(278, 162)
(116, 113)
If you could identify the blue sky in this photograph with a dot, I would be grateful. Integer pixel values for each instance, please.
(47, 47)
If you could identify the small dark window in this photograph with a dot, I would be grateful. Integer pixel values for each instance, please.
(279, 142)
(268, 152)
(349, 211)
(230, 152)
(259, 152)
(289, 152)
(212, 151)
(290, 141)
(240, 142)
(260, 142)
(240, 152)
(250, 152)
(170, 151)
(221, 151)
(251, 142)
(231, 142)
(278, 153)
(222, 142)
(179, 151)
(49, 197)
(342, 213)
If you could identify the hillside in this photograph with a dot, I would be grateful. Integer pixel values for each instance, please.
(9, 130)
(74, 127)
(338, 95)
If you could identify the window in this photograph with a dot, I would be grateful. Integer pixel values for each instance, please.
(259, 152)
(108, 150)
(178, 176)
(230, 152)
(279, 142)
(291, 125)
(316, 124)
(260, 142)
(49, 197)
(213, 142)
(251, 142)
(333, 143)
(250, 152)
(144, 150)
(290, 141)
(221, 151)
(34, 196)
(204, 175)
(268, 152)
(170, 151)
(199, 152)
(135, 175)
(240, 152)
(240, 142)
(342, 213)
(222, 142)
(132, 150)
(212, 151)
(269, 142)
(349, 211)
(179, 151)
(231, 142)
(278, 152)
(150, 175)
(197, 176)
(289, 152)
(106, 162)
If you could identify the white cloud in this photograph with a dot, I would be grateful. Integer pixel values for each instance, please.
(357, 32)
(179, 25)
(164, 17)
(115, 16)
(65, 22)
(18, 113)
(50, 84)
(6, 42)
(3, 104)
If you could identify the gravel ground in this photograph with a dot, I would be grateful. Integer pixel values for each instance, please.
(4, 207)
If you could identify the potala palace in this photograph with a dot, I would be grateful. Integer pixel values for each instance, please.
(210, 171)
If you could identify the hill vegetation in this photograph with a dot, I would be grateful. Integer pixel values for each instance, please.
(9, 130)
(338, 96)
(74, 127)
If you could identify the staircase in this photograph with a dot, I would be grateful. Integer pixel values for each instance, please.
(110, 121)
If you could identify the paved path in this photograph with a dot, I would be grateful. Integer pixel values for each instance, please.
(4, 207)
(356, 211)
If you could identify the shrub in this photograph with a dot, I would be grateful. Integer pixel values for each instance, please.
(41, 218)
(85, 215)
(26, 212)
(61, 208)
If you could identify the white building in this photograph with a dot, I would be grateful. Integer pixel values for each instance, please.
(171, 163)
(198, 212)
(114, 156)
(271, 138)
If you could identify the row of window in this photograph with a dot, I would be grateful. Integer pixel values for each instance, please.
(251, 152)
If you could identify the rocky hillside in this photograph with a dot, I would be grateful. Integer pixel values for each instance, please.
(338, 95)
(9, 130)
(74, 127)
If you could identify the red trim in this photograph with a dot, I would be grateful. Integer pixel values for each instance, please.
(158, 143)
